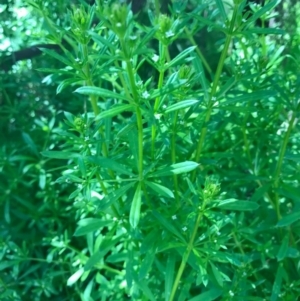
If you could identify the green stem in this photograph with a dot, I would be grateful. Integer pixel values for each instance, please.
(138, 110)
(173, 157)
(214, 88)
(282, 151)
(157, 100)
(186, 254)
(201, 56)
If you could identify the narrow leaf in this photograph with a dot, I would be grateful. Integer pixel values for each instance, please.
(88, 90)
(135, 209)
(277, 284)
(181, 56)
(233, 204)
(114, 111)
(60, 155)
(166, 224)
(289, 219)
(221, 9)
(56, 56)
(110, 164)
(282, 253)
(75, 277)
(88, 225)
(164, 191)
(176, 169)
(169, 277)
(181, 105)
(210, 295)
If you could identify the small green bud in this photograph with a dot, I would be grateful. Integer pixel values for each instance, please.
(79, 123)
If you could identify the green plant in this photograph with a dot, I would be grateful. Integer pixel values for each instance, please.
(184, 178)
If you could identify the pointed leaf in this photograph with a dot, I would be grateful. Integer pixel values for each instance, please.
(283, 251)
(181, 56)
(110, 164)
(289, 219)
(181, 105)
(88, 225)
(75, 277)
(114, 111)
(60, 155)
(104, 93)
(233, 204)
(164, 191)
(175, 169)
(135, 209)
(166, 224)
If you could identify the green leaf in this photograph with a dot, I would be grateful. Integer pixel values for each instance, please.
(65, 83)
(110, 164)
(166, 224)
(28, 140)
(210, 295)
(146, 264)
(180, 56)
(116, 110)
(263, 10)
(181, 105)
(277, 284)
(169, 276)
(289, 219)
(175, 169)
(88, 225)
(164, 191)
(283, 251)
(104, 93)
(60, 155)
(113, 196)
(222, 10)
(259, 30)
(253, 96)
(217, 274)
(233, 204)
(56, 56)
(75, 277)
(93, 260)
(135, 209)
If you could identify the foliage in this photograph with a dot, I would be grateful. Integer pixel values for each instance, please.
(166, 176)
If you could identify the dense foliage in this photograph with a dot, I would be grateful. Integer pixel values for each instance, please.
(150, 156)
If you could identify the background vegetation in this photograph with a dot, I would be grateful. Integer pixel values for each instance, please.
(149, 154)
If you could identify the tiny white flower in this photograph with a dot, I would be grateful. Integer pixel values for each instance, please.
(155, 58)
(174, 217)
(214, 98)
(77, 59)
(238, 62)
(145, 94)
(243, 71)
(119, 24)
(157, 116)
(184, 229)
(169, 34)
(164, 106)
(115, 219)
(86, 138)
(244, 20)
(231, 293)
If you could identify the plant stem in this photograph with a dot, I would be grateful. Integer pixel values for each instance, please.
(214, 88)
(201, 56)
(282, 151)
(138, 112)
(187, 252)
(163, 50)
